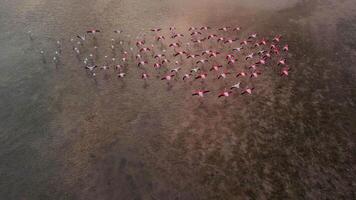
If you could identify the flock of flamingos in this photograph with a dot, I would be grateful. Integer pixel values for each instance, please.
(196, 57)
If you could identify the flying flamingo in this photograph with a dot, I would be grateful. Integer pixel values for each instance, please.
(247, 91)
(252, 36)
(93, 31)
(211, 36)
(238, 49)
(215, 67)
(202, 61)
(286, 47)
(250, 56)
(235, 86)
(192, 56)
(156, 29)
(224, 28)
(160, 38)
(282, 62)
(195, 70)
(200, 93)
(255, 74)
(121, 75)
(195, 33)
(144, 76)
(285, 71)
(177, 35)
(277, 38)
(223, 75)
(175, 70)
(143, 63)
(201, 76)
(232, 61)
(174, 45)
(242, 73)
(225, 94)
(186, 76)
(168, 77)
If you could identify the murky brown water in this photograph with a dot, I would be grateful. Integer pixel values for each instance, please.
(65, 137)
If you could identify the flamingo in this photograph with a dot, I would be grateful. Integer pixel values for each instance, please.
(235, 86)
(121, 75)
(200, 93)
(186, 76)
(91, 68)
(261, 62)
(159, 56)
(195, 70)
(160, 38)
(250, 56)
(247, 91)
(263, 42)
(252, 67)
(252, 36)
(277, 38)
(205, 28)
(211, 36)
(206, 52)
(177, 35)
(238, 49)
(229, 57)
(145, 49)
(199, 40)
(168, 77)
(174, 45)
(157, 65)
(225, 94)
(175, 70)
(245, 42)
(232, 61)
(165, 61)
(286, 47)
(81, 37)
(230, 41)
(140, 43)
(255, 74)
(261, 52)
(138, 57)
(144, 76)
(118, 66)
(215, 67)
(224, 28)
(156, 29)
(202, 61)
(221, 39)
(242, 73)
(267, 56)
(202, 76)
(223, 75)
(93, 31)
(236, 29)
(105, 67)
(282, 62)
(214, 54)
(285, 71)
(143, 63)
(179, 53)
(192, 56)
(195, 33)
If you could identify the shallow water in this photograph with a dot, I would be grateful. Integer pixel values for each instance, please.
(63, 136)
